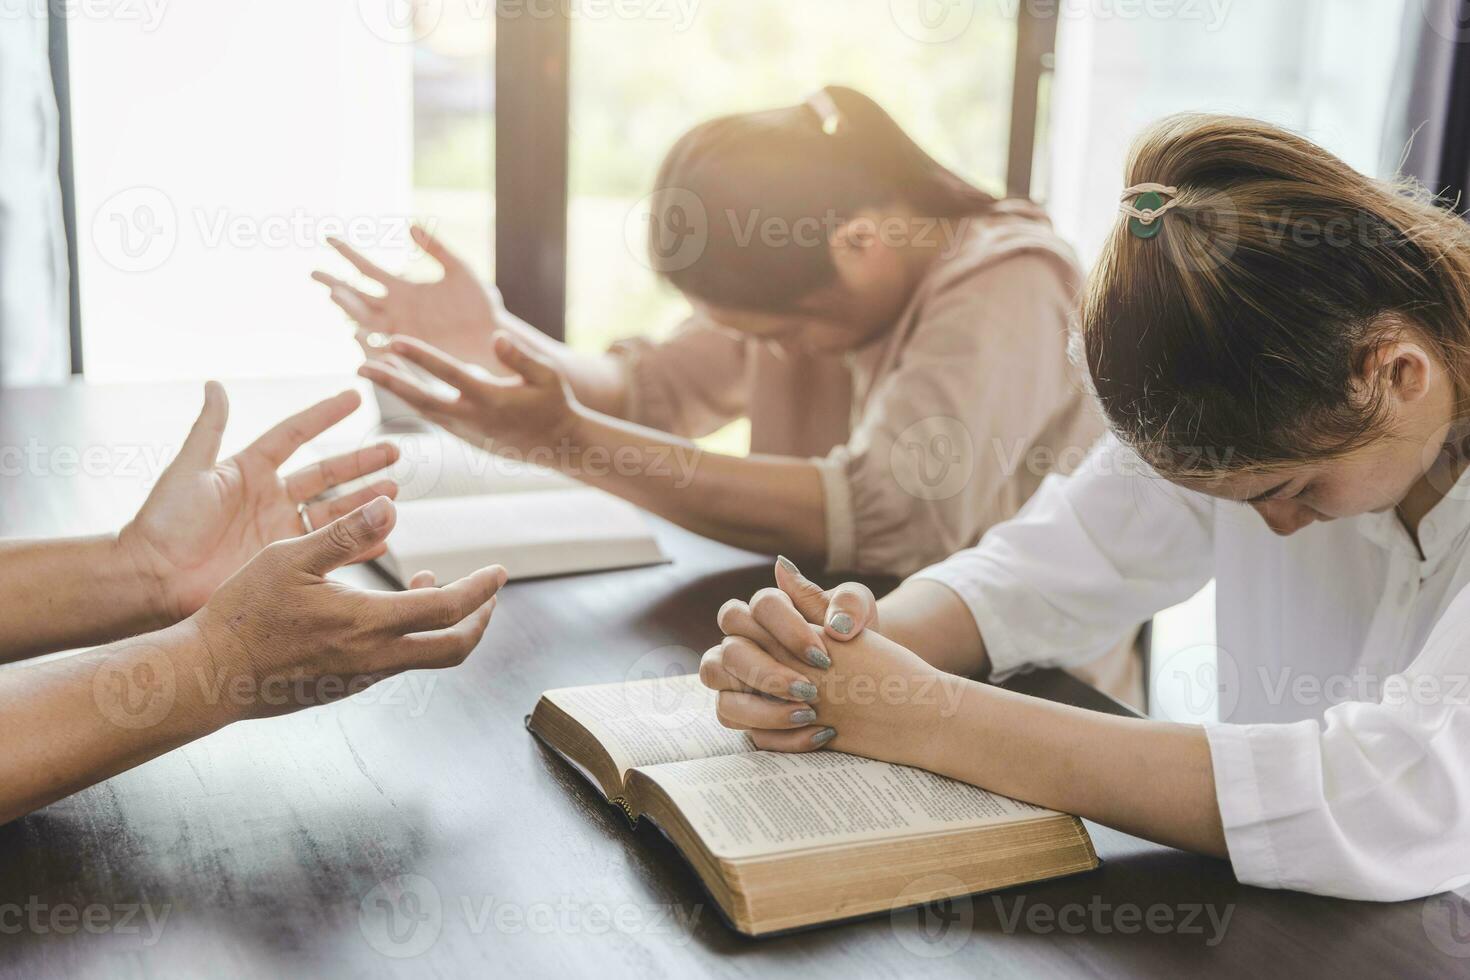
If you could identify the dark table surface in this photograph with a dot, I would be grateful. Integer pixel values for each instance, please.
(423, 831)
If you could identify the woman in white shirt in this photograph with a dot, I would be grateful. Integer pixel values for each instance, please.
(1267, 330)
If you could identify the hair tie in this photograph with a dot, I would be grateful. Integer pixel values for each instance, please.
(1147, 208)
(828, 115)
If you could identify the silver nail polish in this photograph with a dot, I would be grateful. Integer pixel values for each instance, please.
(803, 716)
(824, 736)
(841, 623)
(803, 690)
(789, 565)
(817, 658)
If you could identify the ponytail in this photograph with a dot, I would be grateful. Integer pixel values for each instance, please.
(767, 188)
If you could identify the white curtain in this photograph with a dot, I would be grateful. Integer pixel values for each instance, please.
(33, 274)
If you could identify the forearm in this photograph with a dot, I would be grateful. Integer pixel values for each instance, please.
(768, 504)
(74, 721)
(932, 621)
(72, 593)
(1148, 778)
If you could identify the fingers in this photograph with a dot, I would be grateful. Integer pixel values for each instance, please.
(362, 263)
(770, 616)
(852, 609)
(346, 540)
(279, 443)
(801, 740)
(450, 646)
(357, 304)
(201, 449)
(742, 711)
(532, 368)
(741, 661)
(428, 609)
(307, 483)
(447, 369)
(845, 611)
(808, 597)
(406, 388)
(435, 248)
(421, 580)
(323, 512)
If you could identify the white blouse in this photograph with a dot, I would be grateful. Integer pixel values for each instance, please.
(1342, 755)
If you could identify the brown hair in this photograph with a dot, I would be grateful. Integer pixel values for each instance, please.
(782, 165)
(1236, 338)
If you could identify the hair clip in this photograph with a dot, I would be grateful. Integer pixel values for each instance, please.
(1147, 208)
(827, 112)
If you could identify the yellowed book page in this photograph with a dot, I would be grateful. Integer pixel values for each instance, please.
(646, 722)
(764, 803)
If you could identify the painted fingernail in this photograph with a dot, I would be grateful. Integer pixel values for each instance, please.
(803, 690)
(789, 565)
(805, 716)
(817, 658)
(841, 623)
(824, 736)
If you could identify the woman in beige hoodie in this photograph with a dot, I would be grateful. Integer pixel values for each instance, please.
(897, 338)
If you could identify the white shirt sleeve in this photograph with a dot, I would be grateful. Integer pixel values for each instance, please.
(1372, 803)
(1089, 558)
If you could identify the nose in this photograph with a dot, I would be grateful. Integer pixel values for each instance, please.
(1285, 516)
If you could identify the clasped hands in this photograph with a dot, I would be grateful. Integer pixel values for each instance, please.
(801, 668)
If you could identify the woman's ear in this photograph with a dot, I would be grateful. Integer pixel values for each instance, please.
(1401, 368)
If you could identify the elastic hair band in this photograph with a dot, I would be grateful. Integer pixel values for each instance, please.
(827, 112)
(1147, 207)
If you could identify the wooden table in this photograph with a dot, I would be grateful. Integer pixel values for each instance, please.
(259, 852)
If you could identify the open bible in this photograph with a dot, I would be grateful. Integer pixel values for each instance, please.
(786, 841)
(461, 508)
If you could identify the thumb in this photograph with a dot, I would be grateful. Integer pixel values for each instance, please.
(343, 541)
(201, 449)
(532, 367)
(850, 610)
(806, 595)
(435, 248)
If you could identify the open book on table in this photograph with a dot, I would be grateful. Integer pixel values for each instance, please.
(785, 841)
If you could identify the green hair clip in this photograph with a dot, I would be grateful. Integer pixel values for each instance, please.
(1146, 213)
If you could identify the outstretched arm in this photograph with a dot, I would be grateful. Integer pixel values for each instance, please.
(277, 637)
(459, 314)
(760, 502)
(204, 519)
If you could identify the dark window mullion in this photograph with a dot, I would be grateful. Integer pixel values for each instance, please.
(532, 107)
(1036, 36)
(61, 85)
